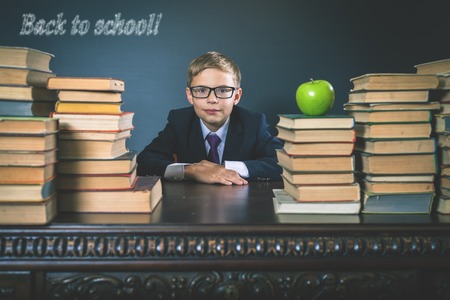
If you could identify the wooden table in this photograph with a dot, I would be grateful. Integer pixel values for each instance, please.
(225, 242)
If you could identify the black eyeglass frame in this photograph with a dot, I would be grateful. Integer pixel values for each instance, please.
(233, 89)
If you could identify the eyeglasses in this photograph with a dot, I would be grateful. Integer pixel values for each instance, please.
(221, 92)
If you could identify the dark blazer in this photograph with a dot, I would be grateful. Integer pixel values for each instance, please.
(248, 140)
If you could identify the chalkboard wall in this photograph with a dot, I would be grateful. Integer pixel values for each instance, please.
(278, 45)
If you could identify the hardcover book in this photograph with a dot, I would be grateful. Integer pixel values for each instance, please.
(408, 203)
(88, 107)
(86, 83)
(28, 213)
(398, 164)
(395, 81)
(89, 96)
(300, 121)
(26, 174)
(25, 57)
(28, 142)
(316, 135)
(434, 67)
(36, 125)
(393, 130)
(396, 146)
(93, 122)
(22, 76)
(27, 192)
(318, 178)
(122, 164)
(26, 108)
(26, 93)
(318, 149)
(316, 163)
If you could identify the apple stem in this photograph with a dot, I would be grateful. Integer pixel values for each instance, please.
(311, 79)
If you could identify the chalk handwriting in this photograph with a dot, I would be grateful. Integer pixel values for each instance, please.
(116, 26)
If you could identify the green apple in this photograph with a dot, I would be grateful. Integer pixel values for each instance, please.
(315, 97)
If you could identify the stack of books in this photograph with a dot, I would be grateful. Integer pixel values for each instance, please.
(441, 68)
(318, 165)
(23, 78)
(96, 171)
(27, 170)
(395, 151)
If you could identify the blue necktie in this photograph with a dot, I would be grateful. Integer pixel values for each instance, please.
(213, 141)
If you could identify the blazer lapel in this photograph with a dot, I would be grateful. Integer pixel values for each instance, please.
(197, 144)
(234, 139)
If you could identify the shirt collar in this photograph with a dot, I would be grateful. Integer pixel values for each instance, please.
(222, 132)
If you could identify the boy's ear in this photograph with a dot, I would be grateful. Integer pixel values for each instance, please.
(237, 96)
(189, 96)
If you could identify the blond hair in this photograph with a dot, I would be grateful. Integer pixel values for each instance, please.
(214, 60)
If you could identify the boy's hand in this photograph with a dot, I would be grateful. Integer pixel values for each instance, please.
(208, 172)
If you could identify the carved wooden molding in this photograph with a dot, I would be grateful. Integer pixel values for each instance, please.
(100, 246)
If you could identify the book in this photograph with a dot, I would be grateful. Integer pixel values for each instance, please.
(441, 123)
(26, 108)
(27, 158)
(318, 149)
(284, 203)
(300, 121)
(316, 135)
(396, 116)
(93, 135)
(26, 174)
(445, 170)
(330, 192)
(408, 203)
(443, 205)
(399, 178)
(122, 164)
(398, 163)
(28, 142)
(28, 213)
(96, 181)
(393, 130)
(392, 106)
(86, 83)
(27, 192)
(434, 67)
(91, 148)
(26, 93)
(316, 163)
(89, 96)
(444, 81)
(23, 76)
(397, 187)
(318, 178)
(444, 182)
(25, 57)
(93, 122)
(395, 81)
(88, 107)
(396, 146)
(28, 125)
(143, 198)
(346, 217)
(390, 96)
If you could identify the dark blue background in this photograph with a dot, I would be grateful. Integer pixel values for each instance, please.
(277, 44)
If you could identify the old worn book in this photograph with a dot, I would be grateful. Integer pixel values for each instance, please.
(390, 96)
(397, 187)
(441, 123)
(28, 213)
(122, 164)
(396, 146)
(97, 181)
(28, 142)
(26, 174)
(444, 81)
(300, 121)
(392, 106)
(93, 135)
(434, 67)
(26, 93)
(93, 122)
(143, 198)
(393, 130)
(445, 170)
(316, 135)
(88, 107)
(23, 76)
(86, 83)
(397, 116)
(28, 125)
(27, 158)
(318, 178)
(399, 178)
(399, 163)
(317, 192)
(25, 57)
(28, 192)
(405, 203)
(89, 96)
(318, 149)
(316, 163)
(91, 148)
(26, 108)
(395, 81)
(284, 203)
(443, 205)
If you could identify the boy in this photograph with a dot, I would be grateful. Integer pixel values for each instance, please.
(246, 149)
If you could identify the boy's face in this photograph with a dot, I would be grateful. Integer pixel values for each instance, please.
(213, 111)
